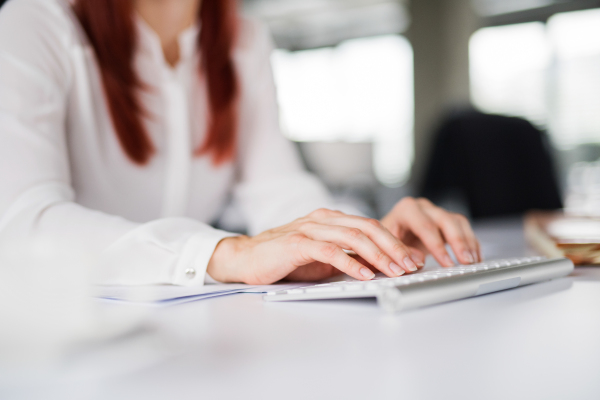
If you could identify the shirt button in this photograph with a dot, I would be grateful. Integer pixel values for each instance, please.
(190, 273)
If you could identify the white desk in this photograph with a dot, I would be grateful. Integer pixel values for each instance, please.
(536, 342)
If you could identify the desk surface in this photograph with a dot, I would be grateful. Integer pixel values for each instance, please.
(535, 342)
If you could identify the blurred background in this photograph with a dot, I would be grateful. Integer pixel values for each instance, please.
(388, 98)
(385, 96)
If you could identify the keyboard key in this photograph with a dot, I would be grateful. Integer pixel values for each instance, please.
(353, 287)
(324, 289)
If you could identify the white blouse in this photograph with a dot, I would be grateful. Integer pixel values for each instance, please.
(65, 182)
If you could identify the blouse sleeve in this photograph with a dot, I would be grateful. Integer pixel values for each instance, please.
(39, 217)
(274, 188)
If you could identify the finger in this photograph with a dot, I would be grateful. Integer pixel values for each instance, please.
(362, 261)
(471, 238)
(329, 253)
(418, 256)
(452, 231)
(453, 225)
(381, 237)
(353, 239)
(315, 271)
(427, 231)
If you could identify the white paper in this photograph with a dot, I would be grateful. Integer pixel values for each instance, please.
(157, 293)
(170, 294)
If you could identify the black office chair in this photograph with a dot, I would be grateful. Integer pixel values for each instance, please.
(499, 165)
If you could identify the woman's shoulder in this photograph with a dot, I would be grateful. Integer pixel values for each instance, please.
(34, 13)
(254, 39)
(39, 34)
(23, 20)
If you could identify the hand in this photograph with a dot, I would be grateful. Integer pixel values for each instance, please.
(312, 248)
(421, 224)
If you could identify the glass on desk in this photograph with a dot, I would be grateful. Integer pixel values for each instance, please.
(583, 190)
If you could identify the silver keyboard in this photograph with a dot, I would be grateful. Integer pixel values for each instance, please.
(433, 286)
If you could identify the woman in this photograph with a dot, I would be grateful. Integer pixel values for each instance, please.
(125, 125)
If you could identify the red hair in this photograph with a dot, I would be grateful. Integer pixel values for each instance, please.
(109, 25)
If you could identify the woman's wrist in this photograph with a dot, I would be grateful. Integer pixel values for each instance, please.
(222, 266)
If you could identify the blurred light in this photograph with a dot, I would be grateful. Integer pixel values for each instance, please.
(496, 7)
(575, 116)
(359, 91)
(575, 34)
(305, 24)
(548, 74)
(508, 67)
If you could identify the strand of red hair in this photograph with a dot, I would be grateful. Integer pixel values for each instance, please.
(109, 25)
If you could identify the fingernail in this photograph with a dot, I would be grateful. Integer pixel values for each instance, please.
(475, 256)
(467, 256)
(396, 269)
(409, 264)
(367, 273)
(448, 261)
(417, 261)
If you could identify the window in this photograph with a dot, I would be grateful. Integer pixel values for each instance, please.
(575, 79)
(358, 91)
(508, 67)
(548, 73)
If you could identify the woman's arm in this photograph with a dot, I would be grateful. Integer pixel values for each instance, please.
(38, 213)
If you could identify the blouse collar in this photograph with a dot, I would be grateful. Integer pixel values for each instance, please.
(149, 41)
